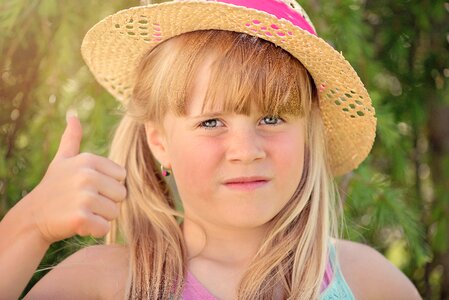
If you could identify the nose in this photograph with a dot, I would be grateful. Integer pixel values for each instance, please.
(245, 146)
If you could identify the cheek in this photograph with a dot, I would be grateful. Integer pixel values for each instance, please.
(289, 161)
(194, 160)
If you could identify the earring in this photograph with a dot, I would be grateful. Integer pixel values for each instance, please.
(165, 172)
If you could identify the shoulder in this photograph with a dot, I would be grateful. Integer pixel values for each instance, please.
(94, 272)
(370, 275)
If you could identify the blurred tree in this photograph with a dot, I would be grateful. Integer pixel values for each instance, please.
(396, 201)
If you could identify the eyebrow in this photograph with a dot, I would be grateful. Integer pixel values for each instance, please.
(217, 114)
(206, 115)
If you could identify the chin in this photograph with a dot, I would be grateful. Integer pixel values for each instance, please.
(247, 221)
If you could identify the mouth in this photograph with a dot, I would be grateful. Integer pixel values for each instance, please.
(246, 183)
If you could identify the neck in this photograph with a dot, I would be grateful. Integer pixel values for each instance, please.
(227, 245)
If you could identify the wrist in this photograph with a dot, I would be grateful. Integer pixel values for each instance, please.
(21, 219)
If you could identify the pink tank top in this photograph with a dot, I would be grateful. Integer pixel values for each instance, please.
(194, 290)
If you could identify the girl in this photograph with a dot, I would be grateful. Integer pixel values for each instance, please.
(248, 114)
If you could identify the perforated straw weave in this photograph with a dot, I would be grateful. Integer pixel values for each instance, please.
(113, 47)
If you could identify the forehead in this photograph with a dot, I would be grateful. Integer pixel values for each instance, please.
(197, 94)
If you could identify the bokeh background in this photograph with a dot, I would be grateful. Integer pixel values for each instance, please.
(397, 201)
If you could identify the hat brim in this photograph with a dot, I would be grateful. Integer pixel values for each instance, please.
(113, 48)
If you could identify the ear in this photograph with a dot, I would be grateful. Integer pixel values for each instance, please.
(157, 142)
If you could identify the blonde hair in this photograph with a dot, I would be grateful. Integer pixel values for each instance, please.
(291, 260)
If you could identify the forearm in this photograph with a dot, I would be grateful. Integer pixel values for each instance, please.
(21, 250)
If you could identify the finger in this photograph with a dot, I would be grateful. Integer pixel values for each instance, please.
(105, 208)
(98, 226)
(69, 145)
(108, 167)
(111, 189)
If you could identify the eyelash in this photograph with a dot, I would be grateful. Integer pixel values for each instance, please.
(201, 125)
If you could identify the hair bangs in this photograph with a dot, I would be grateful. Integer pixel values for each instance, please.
(254, 72)
(246, 73)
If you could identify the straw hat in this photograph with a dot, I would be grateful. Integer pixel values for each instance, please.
(113, 47)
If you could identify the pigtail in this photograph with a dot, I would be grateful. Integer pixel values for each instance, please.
(148, 219)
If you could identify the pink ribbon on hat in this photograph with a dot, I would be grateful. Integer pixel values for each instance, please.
(277, 8)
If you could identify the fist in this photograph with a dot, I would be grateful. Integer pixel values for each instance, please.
(79, 193)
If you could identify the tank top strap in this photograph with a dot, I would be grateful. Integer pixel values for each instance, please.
(338, 288)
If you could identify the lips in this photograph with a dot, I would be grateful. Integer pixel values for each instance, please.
(246, 184)
(249, 179)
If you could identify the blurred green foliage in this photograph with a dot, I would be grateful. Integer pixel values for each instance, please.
(397, 201)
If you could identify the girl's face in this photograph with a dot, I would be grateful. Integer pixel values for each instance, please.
(212, 153)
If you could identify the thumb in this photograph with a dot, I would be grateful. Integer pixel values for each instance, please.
(71, 138)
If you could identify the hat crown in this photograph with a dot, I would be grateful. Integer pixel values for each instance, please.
(279, 8)
(296, 6)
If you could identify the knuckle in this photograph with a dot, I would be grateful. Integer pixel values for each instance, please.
(102, 229)
(80, 222)
(112, 212)
(87, 198)
(123, 192)
(83, 232)
(86, 176)
(87, 158)
(123, 173)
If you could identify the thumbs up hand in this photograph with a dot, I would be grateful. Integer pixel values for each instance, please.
(79, 193)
